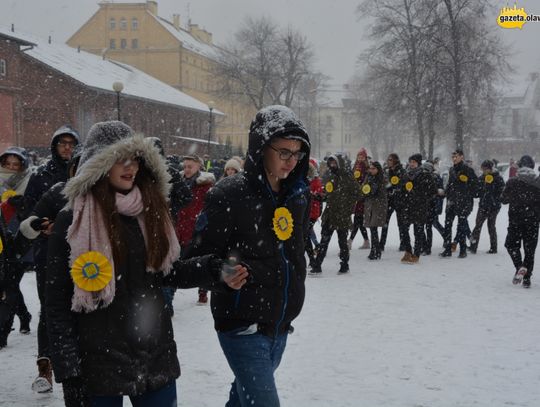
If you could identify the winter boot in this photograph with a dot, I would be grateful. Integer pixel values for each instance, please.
(343, 269)
(492, 251)
(315, 269)
(203, 298)
(25, 324)
(447, 252)
(518, 277)
(473, 248)
(526, 282)
(365, 245)
(43, 383)
(406, 257)
(414, 259)
(453, 246)
(462, 253)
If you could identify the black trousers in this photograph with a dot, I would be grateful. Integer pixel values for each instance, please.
(43, 338)
(326, 235)
(522, 232)
(433, 222)
(358, 224)
(462, 228)
(401, 226)
(481, 216)
(309, 244)
(419, 239)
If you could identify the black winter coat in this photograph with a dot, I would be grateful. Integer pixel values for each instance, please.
(128, 347)
(237, 222)
(180, 194)
(461, 189)
(490, 188)
(394, 177)
(418, 189)
(522, 192)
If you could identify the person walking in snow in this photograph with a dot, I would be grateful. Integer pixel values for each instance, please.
(110, 252)
(417, 190)
(199, 182)
(435, 208)
(460, 193)
(394, 173)
(522, 194)
(360, 173)
(316, 196)
(375, 205)
(342, 192)
(63, 143)
(260, 218)
(490, 186)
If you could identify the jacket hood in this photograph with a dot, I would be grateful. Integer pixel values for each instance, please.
(62, 131)
(19, 152)
(106, 144)
(528, 175)
(341, 165)
(269, 123)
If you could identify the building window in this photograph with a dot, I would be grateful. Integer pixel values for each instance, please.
(135, 43)
(329, 120)
(123, 24)
(329, 138)
(3, 68)
(134, 24)
(112, 24)
(112, 44)
(123, 43)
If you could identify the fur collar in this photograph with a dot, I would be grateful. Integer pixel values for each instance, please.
(100, 163)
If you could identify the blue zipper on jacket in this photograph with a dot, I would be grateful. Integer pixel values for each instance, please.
(285, 260)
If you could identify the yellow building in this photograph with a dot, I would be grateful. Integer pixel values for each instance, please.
(184, 58)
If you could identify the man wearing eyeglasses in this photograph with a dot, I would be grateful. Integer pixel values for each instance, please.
(63, 143)
(260, 218)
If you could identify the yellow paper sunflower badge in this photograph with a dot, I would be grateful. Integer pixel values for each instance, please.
(409, 186)
(1, 246)
(91, 271)
(394, 180)
(8, 194)
(357, 174)
(366, 189)
(489, 179)
(463, 178)
(283, 223)
(329, 187)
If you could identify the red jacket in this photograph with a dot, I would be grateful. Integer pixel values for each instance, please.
(316, 190)
(187, 216)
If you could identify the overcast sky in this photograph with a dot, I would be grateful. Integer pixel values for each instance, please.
(331, 25)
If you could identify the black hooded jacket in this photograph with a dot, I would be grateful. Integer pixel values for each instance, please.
(462, 188)
(237, 222)
(522, 193)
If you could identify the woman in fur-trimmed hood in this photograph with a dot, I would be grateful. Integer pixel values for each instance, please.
(111, 251)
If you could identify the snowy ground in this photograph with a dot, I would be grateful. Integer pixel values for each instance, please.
(446, 332)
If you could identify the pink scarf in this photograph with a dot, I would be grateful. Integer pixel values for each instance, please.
(88, 233)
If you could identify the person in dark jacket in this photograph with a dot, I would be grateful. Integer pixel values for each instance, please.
(342, 193)
(315, 203)
(435, 208)
(360, 173)
(490, 187)
(460, 193)
(260, 218)
(111, 251)
(522, 193)
(375, 205)
(394, 174)
(417, 191)
(63, 143)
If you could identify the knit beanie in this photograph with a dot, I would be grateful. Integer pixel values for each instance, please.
(417, 158)
(234, 164)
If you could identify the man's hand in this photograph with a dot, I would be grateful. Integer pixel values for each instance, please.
(234, 276)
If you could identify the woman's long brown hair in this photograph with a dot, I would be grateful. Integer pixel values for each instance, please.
(156, 215)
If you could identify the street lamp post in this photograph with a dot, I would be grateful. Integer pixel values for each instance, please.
(211, 105)
(118, 87)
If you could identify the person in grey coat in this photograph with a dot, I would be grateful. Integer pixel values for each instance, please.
(375, 206)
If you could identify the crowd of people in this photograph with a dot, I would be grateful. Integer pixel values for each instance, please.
(113, 226)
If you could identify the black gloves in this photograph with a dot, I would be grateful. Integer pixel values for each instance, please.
(36, 224)
(75, 393)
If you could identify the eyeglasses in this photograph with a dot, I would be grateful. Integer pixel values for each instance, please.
(286, 155)
(70, 144)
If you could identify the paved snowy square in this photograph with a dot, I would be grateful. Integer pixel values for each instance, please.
(443, 333)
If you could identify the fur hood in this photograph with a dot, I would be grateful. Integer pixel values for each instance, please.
(204, 178)
(101, 161)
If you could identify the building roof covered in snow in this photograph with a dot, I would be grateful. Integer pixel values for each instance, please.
(100, 73)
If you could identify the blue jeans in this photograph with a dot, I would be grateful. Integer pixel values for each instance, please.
(253, 359)
(164, 397)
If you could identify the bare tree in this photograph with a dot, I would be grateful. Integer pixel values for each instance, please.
(265, 63)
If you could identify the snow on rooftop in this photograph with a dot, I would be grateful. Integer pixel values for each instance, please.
(96, 72)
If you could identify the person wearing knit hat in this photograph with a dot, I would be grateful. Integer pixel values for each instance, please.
(232, 167)
(417, 158)
(522, 194)
(490, 188)
(111, 250)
